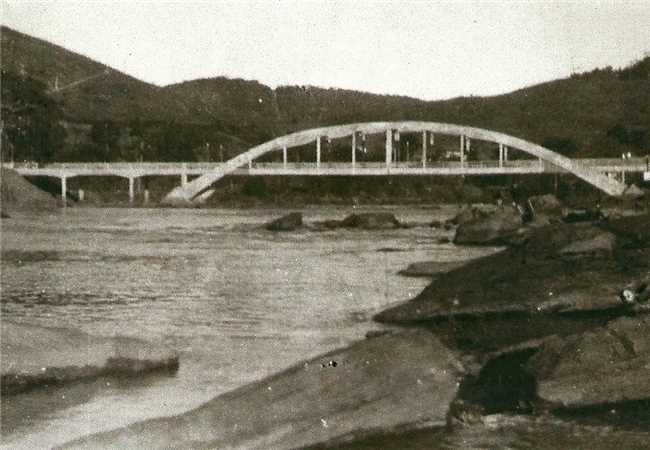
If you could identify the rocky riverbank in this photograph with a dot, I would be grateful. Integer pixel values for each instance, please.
(536, 343)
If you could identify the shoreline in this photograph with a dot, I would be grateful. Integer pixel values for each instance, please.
(472, 344)
(462, 329)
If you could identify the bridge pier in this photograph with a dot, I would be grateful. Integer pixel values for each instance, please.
(389, 147)
(462, 150)
(354, 150)
(500, 155)
(131, 192)
(184, 175)
(64, 189)
(284, 157)
(318, 152)
(424, 149)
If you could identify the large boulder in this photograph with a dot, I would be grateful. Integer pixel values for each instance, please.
(371, 221)
(467, 214)
(495, 228)
(35, 356)
(289, 222)
(604, 366)
(546, 204)
(396, 381)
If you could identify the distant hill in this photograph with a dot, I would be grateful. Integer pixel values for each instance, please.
(111, 115)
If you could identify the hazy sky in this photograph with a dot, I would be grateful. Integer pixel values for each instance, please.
(426, 49)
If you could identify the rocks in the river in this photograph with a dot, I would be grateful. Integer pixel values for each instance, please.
(546, 204)
(634, 229)
(430, 268)
(288, 222)
(535, 278)
(34, 356)
(371, 221)
(584, 215)
(396, 381)
(603, 366)
(495, 228)
(467, 214)
(602, 242)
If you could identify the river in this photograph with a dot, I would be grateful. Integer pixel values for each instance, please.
(236, 301)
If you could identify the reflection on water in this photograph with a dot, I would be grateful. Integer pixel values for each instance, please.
(236, 301)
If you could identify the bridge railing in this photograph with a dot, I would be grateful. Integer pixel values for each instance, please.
(179, 167)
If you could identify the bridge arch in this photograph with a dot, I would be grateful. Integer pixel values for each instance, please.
(186, 193)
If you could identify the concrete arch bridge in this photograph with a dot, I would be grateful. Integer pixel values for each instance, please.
(546, 160)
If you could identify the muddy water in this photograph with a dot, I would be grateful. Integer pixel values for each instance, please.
(236, 301)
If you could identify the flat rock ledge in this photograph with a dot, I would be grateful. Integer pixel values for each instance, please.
(395, 381)
(34, 356)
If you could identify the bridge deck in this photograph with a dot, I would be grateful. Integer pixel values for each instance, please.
(134, 170)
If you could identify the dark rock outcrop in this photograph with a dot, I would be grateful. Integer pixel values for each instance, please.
(430, 268)
(289, 222)
(546, 204)
(493, 229)
(539, 276)
(371, 221)
(607, 365)
(396, 381)
(35, 356)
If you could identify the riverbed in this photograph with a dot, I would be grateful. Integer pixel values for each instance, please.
(236, 301)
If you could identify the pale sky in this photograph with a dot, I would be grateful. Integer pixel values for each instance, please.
(426, 49)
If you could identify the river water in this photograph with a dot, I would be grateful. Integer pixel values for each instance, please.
(236, 301)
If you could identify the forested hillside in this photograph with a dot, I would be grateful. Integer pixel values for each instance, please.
(58, 105)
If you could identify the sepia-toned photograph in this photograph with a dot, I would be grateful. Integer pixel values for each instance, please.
(301, 224)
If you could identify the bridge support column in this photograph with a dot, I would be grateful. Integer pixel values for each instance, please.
(500, 155)
(146, 196)
(424, 149)
(318, 152)
(389, 147)
(64, 189)
(184, 175)
(505, 153)
(462, 151)
(131, 184)
(284, 157)
(354, 150)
